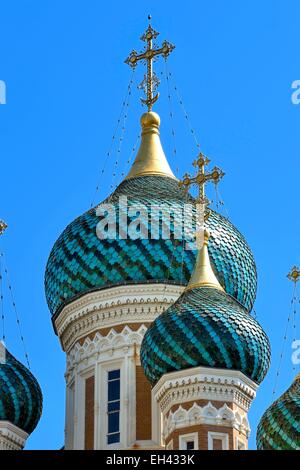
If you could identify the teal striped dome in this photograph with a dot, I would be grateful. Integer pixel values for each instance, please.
(80, 262)
(205, 327)
(20, 394)
(279, 428)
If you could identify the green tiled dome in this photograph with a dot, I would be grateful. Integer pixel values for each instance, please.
(205, 327)
(20, 394)
(79, 262)
(279, 428)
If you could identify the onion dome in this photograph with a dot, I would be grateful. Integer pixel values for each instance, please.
(279, 428)
(20, 394)
(205, 327)
(80, 262)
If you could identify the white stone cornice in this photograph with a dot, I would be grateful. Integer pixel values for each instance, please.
(206, 415)
(204, 383)
(11, 437)
(105, 308)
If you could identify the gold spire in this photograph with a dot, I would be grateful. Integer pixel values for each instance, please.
(3, 227)
(203, 275)
(150, 159)
(151, 81)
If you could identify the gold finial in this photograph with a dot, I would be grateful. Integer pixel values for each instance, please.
(203, 275)
(294, 274)
(150, 159)
(3, 227)
(201, 177)
(151, 81)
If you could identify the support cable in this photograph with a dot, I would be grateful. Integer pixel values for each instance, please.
(113, 140)
(15, 309)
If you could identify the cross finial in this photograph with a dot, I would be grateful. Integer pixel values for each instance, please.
(151, 81)
(201, 178)
(294, 274)
(3, 227)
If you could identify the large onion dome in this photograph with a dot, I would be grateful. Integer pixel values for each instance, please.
(205, 327)
(80, 262)
(20, 394)
(279, 428)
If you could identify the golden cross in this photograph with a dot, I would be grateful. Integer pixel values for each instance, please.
(150, 81)
(3, 227)
(201, 178)
(294, 275)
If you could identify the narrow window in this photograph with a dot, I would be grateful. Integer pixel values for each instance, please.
(190, 445)
(113, 406)
(89, 413)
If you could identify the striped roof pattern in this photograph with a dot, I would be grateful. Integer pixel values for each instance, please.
(205, 327)
(20, 394)
(80, 262)
(279, 428)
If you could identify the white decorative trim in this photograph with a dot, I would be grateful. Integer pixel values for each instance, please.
(240, 444)
(11, 437)
(103, 348)
(113, 306)
(200, 383)
(204, 383)
(218, 435)
(206, 415)
(97, 356)
(184, 438)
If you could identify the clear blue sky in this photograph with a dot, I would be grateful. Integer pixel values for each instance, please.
(63, 66)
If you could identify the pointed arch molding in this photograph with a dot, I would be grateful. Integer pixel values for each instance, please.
(206, 415)
(204, 383)
(104, 348)
(106, 308)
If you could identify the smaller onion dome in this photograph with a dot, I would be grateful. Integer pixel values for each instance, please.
(20, 394)
(279, 428)
(205, 327)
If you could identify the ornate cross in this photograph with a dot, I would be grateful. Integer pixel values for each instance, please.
(151, 81)
(200, 179)
(294, 275)
(3, 227)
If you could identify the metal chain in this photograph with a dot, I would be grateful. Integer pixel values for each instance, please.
(220, 204)
(128, 161)
(109, 152)
(170, 109)
(121, 138)
(15, 310)
(284, 342)
(180, 100)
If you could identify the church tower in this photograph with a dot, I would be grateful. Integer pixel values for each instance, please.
(106, 286)
(205, 356)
